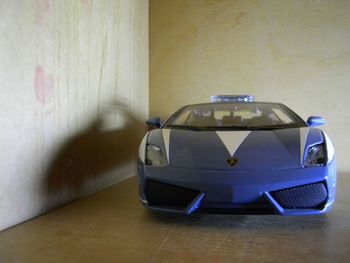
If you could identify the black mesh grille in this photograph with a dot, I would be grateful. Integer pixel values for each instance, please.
(306, 196)
(161, 194)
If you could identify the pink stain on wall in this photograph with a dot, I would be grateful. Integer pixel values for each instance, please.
(43, 85)
(86, 3)
(41, 10)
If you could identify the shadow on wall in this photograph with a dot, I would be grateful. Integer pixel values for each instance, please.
(109, 142)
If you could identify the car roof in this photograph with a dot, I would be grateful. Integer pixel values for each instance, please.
(233, 102)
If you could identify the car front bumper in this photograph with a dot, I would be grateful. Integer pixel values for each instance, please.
(245, 191)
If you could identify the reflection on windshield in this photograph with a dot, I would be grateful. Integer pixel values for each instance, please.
(235, 116)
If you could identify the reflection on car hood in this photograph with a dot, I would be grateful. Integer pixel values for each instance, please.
(275, 149)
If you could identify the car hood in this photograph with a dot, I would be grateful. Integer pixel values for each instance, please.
(271, 149)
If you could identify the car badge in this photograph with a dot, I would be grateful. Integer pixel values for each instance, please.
(232, 161)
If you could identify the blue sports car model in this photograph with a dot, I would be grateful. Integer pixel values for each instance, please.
(237, 155)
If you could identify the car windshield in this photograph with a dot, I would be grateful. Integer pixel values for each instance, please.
(235, 116)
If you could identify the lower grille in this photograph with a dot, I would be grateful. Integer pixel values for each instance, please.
(302, 197)
(162, 194)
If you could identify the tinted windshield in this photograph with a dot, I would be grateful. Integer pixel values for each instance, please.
(235, 116)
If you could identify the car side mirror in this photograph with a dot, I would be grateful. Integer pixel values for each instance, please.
(313, 121)
(153, 123)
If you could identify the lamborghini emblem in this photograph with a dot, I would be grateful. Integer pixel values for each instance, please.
(232, 161)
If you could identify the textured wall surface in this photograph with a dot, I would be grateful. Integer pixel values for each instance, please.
(295, 52)
(73, 94)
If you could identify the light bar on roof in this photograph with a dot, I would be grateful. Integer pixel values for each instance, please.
(232, 98)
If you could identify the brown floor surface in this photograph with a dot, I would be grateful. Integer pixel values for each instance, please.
(112, 226)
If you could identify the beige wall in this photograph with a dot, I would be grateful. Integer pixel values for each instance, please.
(295, 52)
(74, 92)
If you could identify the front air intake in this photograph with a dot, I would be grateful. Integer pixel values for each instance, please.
(310, 196)
(167, 195)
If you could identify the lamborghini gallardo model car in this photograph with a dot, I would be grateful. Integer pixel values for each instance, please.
(237, 155)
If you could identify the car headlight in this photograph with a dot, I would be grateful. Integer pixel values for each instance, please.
(155, 156)
(316, 156)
